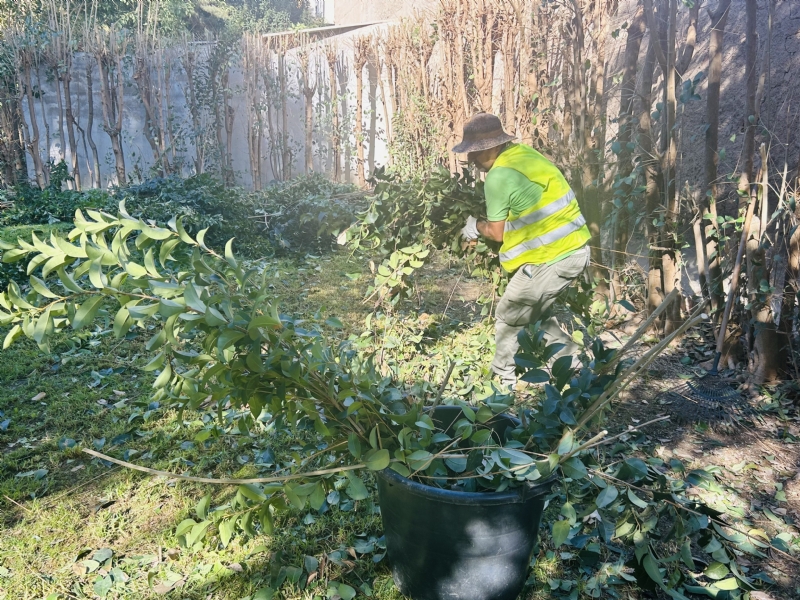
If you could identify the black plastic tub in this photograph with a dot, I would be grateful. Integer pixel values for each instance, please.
(451, 545)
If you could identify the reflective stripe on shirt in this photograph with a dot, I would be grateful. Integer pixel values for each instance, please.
(547, 238)
(542, 213)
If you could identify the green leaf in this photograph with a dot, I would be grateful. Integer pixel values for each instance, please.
(229, 258)
(167, 307)
(155, 363)
(345, 591)
(265, 593)
(12, 335)
(197, 533)
(607, 496)
(184, 527)
(268, 321)
(377, 460)
(716, 570)
(142, 311)
(16, 255)
(536, 376)
(201, 236)
(311, 564)
(727, 584)
(135, 270)
(215, 318)
(568, 511)
(317, 497)
(356, 488)
(185, 237)
(43, 324)
(164, 378)
(68, 282)
(635, 500)
(334, 323)
(574, 468)
(102, 555)
(560, 532)
(102, 585)
(420, 459)
(686, 553)
(252, 492)
(651, 568)
(41, 288)
(165, 253)
(226, 530)
(567, 442)
(87, 311)
(299, 502)
(122, 322)
(15, 297)
(354, 445)
(193, 299)
(202, 507)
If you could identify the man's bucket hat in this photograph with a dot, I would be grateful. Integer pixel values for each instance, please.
(481, 132)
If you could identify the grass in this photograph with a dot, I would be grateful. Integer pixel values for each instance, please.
(59, 507)
(74, 527)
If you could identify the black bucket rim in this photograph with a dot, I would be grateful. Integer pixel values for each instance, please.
(516, 496)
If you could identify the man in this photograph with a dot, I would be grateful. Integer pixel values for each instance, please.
(531, 209)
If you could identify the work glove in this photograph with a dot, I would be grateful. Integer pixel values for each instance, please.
(470, 231)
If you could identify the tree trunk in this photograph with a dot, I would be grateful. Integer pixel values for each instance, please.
(194, 110)
(73, 144)
(669, 258)
(751, 78)
(13, 145)
(381, 62)
(655, 293)
(334, 107)
(62, 138)
(633, 46)
(142, 78)
(286, 151)
(32, 139)
(95, 171)
(718, 19)
(308, 95)
(111, 97)
(359, 60)
(769, 353)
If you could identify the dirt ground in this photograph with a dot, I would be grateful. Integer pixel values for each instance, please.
(758, 454)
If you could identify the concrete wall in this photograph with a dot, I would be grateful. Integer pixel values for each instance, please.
(139, 157)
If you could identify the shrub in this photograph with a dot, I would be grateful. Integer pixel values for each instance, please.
(203, 202)
(408, 216)
(304, 214)
(307, 212)
(32, 206)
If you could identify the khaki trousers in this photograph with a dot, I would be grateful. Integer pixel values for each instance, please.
(528, 298)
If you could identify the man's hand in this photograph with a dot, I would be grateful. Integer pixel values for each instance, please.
(470, 231)
(492, 230)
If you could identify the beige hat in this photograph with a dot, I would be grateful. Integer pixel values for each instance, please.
(481, 132)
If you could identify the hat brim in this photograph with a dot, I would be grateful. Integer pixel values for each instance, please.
(467, 146)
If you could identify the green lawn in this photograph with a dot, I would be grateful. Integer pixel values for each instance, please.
(73, 527)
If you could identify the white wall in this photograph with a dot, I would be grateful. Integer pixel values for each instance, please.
(139, 158)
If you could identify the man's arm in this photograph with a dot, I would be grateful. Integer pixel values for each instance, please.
(492, 230)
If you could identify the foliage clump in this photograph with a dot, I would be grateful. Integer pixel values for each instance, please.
(304, 214)
(408, 217)
(216, 338)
